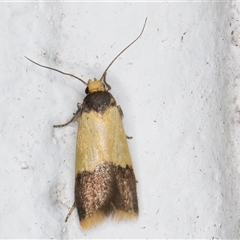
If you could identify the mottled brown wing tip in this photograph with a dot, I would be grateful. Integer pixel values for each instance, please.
(91, 222)
(108, 191)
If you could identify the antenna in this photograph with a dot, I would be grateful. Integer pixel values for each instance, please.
(103, 78)
(54, 69)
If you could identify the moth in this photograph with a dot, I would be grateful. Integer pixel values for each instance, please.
(105, 182)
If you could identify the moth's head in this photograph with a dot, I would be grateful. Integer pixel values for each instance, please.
(95, 86)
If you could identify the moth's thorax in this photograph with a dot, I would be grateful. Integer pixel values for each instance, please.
(98, 102)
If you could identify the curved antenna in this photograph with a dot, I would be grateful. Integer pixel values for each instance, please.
(103, 78)
(69, 74)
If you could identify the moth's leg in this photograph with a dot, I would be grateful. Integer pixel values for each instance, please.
(121, 114)
(70, 212)
(75, 117)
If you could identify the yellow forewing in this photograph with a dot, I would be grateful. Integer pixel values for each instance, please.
(100, 139)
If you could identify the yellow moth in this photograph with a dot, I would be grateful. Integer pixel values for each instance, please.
(105, 182)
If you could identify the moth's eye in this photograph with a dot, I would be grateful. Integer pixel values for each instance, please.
(86, 90)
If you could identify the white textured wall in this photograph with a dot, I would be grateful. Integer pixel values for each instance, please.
(178, 88)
